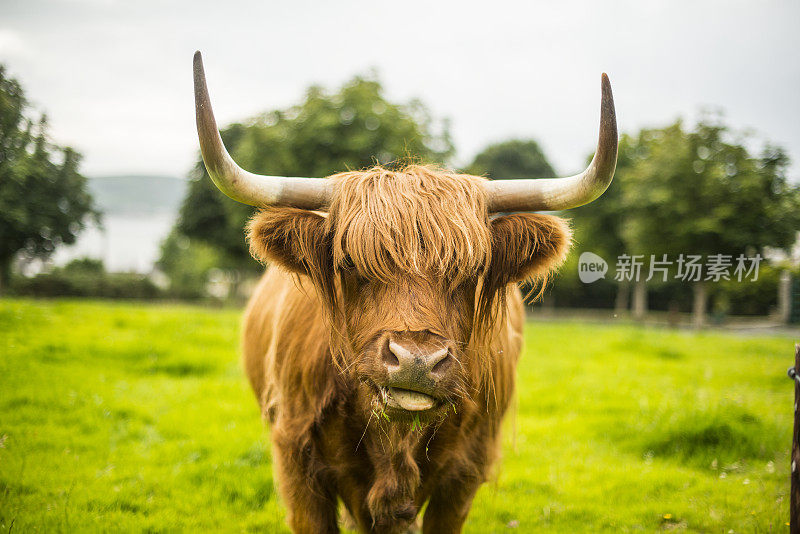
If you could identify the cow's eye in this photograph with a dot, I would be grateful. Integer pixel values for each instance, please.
(347, 263)
(465, 287)
(349, 268)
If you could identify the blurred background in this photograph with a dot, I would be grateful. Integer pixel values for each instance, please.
(643, 405)
(104, 194)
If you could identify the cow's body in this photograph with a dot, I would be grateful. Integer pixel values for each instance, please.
(326, 448)
(382, 343)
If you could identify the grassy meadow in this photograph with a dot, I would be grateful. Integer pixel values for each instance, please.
(130, 417)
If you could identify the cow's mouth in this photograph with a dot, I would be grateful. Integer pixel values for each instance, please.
(409, 400)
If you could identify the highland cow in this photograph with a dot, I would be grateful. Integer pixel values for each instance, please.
(382, 342)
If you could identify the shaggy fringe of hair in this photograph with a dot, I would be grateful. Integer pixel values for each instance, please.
(418, 219)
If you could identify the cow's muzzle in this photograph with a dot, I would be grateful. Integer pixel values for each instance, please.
(416, 366)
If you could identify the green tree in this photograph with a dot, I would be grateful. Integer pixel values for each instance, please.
(701, 192)
(516, 158)
(352, 128)
(44, 200)
(187, 264)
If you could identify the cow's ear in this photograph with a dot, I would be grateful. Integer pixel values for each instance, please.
(295, 239)
(527, 246)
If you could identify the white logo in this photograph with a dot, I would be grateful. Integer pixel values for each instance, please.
(591, 267)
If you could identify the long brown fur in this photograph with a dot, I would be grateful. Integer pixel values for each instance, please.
(409, 250)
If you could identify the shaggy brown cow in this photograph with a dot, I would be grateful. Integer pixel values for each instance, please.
(383, 340)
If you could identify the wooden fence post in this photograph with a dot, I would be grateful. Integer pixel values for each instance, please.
(794, 519)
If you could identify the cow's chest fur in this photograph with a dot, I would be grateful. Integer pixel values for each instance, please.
(382, 471)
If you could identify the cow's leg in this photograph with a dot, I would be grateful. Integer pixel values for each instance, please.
(356, 495)
(449, 505)
(311, 503)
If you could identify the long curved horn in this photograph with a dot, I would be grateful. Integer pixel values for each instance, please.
(551, 194)
(237, 183)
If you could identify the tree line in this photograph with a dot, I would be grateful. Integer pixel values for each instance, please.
(679, 190)
(691, 191)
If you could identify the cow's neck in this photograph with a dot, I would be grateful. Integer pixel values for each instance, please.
(393, 451)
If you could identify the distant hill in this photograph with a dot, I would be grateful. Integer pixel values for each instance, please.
(138, 194)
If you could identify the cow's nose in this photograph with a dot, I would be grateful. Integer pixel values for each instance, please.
(415, 359)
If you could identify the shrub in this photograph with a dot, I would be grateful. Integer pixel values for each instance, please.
(86, 278)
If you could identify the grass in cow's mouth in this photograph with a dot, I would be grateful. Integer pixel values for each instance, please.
(380, 413)
(100, 432)
(416, 424)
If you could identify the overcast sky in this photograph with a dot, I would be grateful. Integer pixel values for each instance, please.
(115, 76)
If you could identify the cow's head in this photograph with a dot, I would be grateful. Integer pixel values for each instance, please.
(411, 266)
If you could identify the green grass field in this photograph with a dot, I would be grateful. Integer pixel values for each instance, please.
(123, 417)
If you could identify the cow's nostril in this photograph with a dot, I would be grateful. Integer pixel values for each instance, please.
(443, 363)
(414, 359)
(389, 357)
